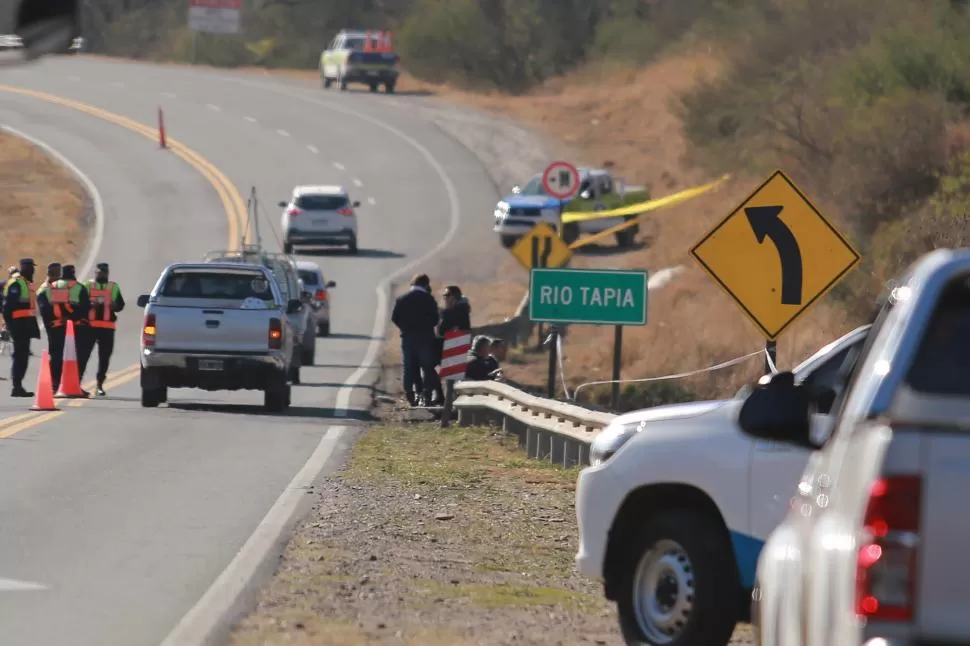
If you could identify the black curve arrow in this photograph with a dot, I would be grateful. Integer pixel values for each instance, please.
(765, 223)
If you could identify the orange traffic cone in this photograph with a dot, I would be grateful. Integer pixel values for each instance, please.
(44, 399)
(70, 385)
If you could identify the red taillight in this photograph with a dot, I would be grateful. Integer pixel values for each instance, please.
(148, 331)
(321, 295)
(275, 334)
(886, 565)
(293, 211)
(345, 211)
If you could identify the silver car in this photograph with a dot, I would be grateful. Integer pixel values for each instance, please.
(317, 294)
(319, 216)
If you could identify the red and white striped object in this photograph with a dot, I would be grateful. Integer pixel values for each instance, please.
(454, 358)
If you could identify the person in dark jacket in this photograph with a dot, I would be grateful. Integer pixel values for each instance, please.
(481, 365)
(20, 314)
(416, 315)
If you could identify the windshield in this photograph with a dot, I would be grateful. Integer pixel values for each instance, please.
(321, 202)
(217, 285)
(534, 187)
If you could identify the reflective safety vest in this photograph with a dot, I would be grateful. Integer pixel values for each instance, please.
(102, 298)
(28, 300)
(64, 296)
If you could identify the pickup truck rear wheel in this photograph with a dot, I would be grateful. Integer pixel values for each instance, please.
(326, 82)
(570, 233)
(678, 582)
(274, 400)
(152, 397)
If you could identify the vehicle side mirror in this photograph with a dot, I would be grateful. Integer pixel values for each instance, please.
(330, 284)
(356, 205)
(294, 306)
(282, 205)
(143, 300)
(516, 189)
(778, 410)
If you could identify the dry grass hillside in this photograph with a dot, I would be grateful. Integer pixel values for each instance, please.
(625, 116)
(41, 207)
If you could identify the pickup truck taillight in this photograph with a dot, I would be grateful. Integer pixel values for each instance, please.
(320, 295)
(345, 211)
(886, 567)
(293, 211)
(275, 334)
(148, 331)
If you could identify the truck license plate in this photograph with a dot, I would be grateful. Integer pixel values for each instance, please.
(210, 365)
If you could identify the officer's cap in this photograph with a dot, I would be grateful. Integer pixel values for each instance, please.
(53, 265)
(102, 266)
(27, 262)
(68, 269)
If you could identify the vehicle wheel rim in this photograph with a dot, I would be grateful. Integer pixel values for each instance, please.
(663, 592)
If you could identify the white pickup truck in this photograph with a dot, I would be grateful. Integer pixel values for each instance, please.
(873, 549)
(216, 326)
(678, 502)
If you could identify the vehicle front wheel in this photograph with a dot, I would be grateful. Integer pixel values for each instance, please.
(509, 241)
(150, 398)
(678, 583)
(326, 82)
(570, 233)
(389, 88)
(274, 400)
(310, 354)
(324, 329)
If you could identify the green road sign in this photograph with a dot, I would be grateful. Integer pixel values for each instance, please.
(588, 296)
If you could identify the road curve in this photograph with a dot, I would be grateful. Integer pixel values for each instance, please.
(123, 518)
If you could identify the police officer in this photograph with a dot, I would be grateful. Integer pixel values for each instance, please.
(68, 300)
(55, 334)
(106, 302)
(20, 314)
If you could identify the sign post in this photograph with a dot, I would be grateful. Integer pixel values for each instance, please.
(454, 360)
(541, 247)
(776, 255)
(214, 17)
(561, 180)
(590, 297)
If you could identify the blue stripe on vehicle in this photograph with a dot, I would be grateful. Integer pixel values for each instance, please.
(746, 551)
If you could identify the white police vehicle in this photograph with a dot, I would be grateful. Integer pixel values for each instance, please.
(677, 503)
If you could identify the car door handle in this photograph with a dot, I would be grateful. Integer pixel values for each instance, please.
(212, 324)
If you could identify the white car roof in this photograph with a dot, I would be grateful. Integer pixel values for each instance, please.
(308, 265)
(333, 189)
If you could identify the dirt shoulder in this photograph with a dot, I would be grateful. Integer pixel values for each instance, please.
(44, 214)
(435, 537)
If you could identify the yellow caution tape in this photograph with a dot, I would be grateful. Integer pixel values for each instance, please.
(596, 237)
(644, 207)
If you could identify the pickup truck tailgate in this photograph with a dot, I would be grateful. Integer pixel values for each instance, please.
(943, 592)
(215, 328)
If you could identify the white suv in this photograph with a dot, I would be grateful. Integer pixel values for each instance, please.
(319, 216)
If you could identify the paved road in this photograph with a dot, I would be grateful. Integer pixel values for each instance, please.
(126, 516)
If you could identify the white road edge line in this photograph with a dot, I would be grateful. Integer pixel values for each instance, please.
(358, 183)
(213, 107)
(338, 166)
(250, 119)
(371, 201)
(95, 247)
(283, 133)
(313, 149)
(170, 95)
(13, 585)
(218, 600)
(205, 616)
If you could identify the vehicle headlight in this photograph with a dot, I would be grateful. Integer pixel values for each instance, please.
(611, 439)
(503, 207)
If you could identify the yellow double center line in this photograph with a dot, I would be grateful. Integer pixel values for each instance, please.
(232, 202)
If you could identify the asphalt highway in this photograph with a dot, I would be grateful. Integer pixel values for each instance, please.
(118, 520)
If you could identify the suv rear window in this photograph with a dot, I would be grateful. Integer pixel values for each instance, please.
(321, 202)
(217, 285)
(309, 277)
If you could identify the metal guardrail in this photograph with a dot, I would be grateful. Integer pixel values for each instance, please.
(547, 429)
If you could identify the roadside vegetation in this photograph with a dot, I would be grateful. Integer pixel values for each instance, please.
(44, 208)
(866, 110)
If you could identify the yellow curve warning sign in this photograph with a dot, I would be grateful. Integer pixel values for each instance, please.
(776, 255)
